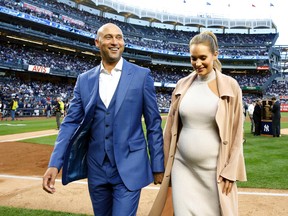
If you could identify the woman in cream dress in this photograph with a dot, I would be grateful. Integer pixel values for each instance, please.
(194, 169)
(203, 139)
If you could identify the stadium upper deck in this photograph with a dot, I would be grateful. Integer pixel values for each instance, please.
(69, 28)
(55, 27)
(49, 34)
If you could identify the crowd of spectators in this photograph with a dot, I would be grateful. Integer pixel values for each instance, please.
(278, 88)
(251, 80)
(167, 75)
(79, 64)
(33, 96)
(17, 54)
(143, 36)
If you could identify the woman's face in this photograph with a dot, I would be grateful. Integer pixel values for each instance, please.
(202, 58)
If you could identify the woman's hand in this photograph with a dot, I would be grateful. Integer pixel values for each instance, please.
(227, 186)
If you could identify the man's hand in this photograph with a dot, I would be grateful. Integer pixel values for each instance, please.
(158, 177)
(49, 180)
(227, 187)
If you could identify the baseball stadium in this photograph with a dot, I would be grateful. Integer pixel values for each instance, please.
(47, 44)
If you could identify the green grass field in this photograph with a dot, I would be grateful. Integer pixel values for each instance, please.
(266, 158)
(8, 211)
(26, 125)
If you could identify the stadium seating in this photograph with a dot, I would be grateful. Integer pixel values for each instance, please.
(244, 56)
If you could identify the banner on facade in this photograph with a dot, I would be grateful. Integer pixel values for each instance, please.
(39, 69)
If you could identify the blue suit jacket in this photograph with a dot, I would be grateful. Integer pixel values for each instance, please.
(135, 98)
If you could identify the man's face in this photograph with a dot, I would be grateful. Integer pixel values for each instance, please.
(111, 43)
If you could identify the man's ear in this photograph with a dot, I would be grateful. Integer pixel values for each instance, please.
(96, 43)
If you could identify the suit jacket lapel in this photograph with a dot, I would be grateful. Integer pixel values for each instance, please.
(124, 83)
(93, 81)
(93, 86)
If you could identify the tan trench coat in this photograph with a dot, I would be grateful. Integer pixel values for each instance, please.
(230, 163)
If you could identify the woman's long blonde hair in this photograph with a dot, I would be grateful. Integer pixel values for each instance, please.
(208, 38)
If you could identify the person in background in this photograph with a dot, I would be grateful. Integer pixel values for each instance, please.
(106, 113)
(13, 107)
(1, 110)
(58, 112)
(250, 114)
(245, 109)
(257, 116)
(203, 138)
(62, 107)
(276, 117)
(48, 109)
(67, 103)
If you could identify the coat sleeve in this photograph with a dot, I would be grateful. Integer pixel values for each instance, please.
(235, 166)
(153, 123)
(167, 129)
(68, 126)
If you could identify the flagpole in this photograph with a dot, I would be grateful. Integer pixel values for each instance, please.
(271, 7)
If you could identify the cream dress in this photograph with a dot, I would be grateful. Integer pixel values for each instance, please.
(194, 181)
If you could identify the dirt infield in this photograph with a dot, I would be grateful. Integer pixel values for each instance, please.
(23, 164)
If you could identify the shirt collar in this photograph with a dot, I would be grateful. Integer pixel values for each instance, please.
(117, 68)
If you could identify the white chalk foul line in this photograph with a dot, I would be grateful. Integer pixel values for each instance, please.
(30, 137)
(263, 194)
(147, 188)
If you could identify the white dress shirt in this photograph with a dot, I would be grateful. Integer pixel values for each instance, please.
(108, 82)
(250, 109)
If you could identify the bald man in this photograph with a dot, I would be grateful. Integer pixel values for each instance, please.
(101, 137)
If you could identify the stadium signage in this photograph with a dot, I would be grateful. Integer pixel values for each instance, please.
(251, 88)
(73, 21)
(45, 22)
(284, 107)
(37, 9)
(263, 68)
(39, 69)
(157, 84)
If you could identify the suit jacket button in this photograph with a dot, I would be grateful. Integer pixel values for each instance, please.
(225, 142)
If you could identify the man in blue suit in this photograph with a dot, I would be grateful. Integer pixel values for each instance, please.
(101, 137)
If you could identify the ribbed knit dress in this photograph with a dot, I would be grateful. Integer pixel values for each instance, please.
(194, 181)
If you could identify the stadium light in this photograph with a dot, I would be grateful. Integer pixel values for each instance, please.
(63, 48)
(88, 53)
(26, 40)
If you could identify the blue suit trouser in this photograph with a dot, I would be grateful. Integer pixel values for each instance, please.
(109, 195)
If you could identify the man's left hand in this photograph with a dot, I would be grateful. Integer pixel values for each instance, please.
(158, 177)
